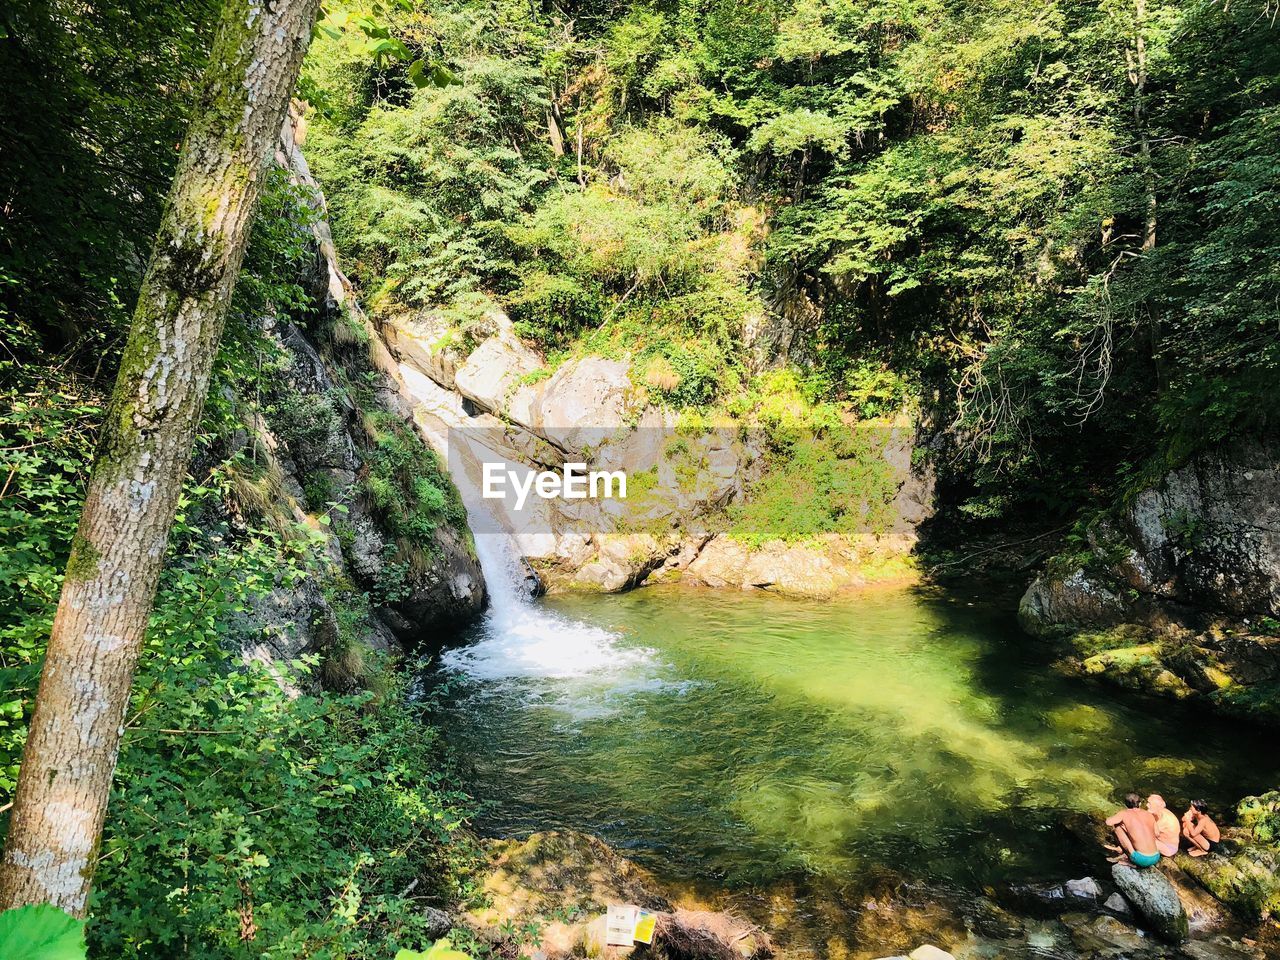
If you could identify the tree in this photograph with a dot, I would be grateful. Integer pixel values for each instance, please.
(146, 441)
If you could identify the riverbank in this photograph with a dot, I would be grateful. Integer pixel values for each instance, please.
(544, 896)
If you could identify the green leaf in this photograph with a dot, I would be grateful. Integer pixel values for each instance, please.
(42, 932)
(423, 73)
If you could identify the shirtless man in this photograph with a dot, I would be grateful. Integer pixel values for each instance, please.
(1167, 826)
(1136, 831)
(1200, 830)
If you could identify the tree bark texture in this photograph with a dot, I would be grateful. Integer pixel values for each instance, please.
(145, 448)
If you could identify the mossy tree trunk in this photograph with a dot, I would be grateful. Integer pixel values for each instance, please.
(159, 395)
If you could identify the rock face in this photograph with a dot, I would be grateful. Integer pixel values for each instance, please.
(1206, 537)
(1180, 590)
(312, 451)
(499, 395)
(1154, 899)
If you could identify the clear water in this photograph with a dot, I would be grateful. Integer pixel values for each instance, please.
(743, 738)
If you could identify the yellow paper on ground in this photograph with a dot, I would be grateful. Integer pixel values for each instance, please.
(644, 927)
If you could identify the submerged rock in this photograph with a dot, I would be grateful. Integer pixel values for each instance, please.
(564, 881)
(1104, 935)
(1154, 899)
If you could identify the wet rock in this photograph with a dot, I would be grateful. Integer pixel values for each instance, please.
(1054, 604)
(1195, 559)
(1205, 913)
(1154, 899)
(1247, 881)
(565, 880)
(1058, 896)
(448, 589)
(560, 870)
(1086, 888)
(1222, 948)
(1104, 935)
(1118, 905)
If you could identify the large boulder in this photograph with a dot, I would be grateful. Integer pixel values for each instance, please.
(494, 370)
(1075, 601)
(1154, 899)
(1247, 879)
(1206, 537)
(722, 562)
(622, 561)
(587, 401)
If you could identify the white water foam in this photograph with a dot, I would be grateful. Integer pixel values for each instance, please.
(519, 638)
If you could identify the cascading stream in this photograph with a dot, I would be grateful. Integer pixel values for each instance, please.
(518, 637)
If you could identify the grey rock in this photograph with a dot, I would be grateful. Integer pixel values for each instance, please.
(1206, 537)
(438, 922)
(1154, 899)
(1104, 936)
(1117, 905)
(1086, 888)
(1054, 604)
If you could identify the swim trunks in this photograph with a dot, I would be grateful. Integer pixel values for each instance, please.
(1144, 859)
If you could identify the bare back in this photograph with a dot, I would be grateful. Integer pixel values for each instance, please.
(1208, 829)
(1141, 827)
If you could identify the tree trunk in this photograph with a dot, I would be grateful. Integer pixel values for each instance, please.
(159, 395)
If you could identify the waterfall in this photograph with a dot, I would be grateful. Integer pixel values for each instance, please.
(518, 636)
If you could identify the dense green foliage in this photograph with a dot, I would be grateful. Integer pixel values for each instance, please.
(1054, 225)
(95, 101)
(314, 821)
(260, 808)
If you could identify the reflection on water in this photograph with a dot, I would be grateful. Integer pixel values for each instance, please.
(745, 737)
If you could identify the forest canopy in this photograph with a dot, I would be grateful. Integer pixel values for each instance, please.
(1052, 222)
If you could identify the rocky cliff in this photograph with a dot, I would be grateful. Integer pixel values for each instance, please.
(689, 475)
(335, 452)
(1178, 591)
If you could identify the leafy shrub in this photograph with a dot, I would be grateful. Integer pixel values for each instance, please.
(47, 435)
(242, 812)
(406, 485)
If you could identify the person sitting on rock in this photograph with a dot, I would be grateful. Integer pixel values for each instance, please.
(1167, 827)
(1136, 830)
(1201, 832)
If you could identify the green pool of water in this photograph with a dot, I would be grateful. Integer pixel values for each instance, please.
(742, 738)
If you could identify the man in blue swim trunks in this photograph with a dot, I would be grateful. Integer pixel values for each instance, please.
(1136, 830)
